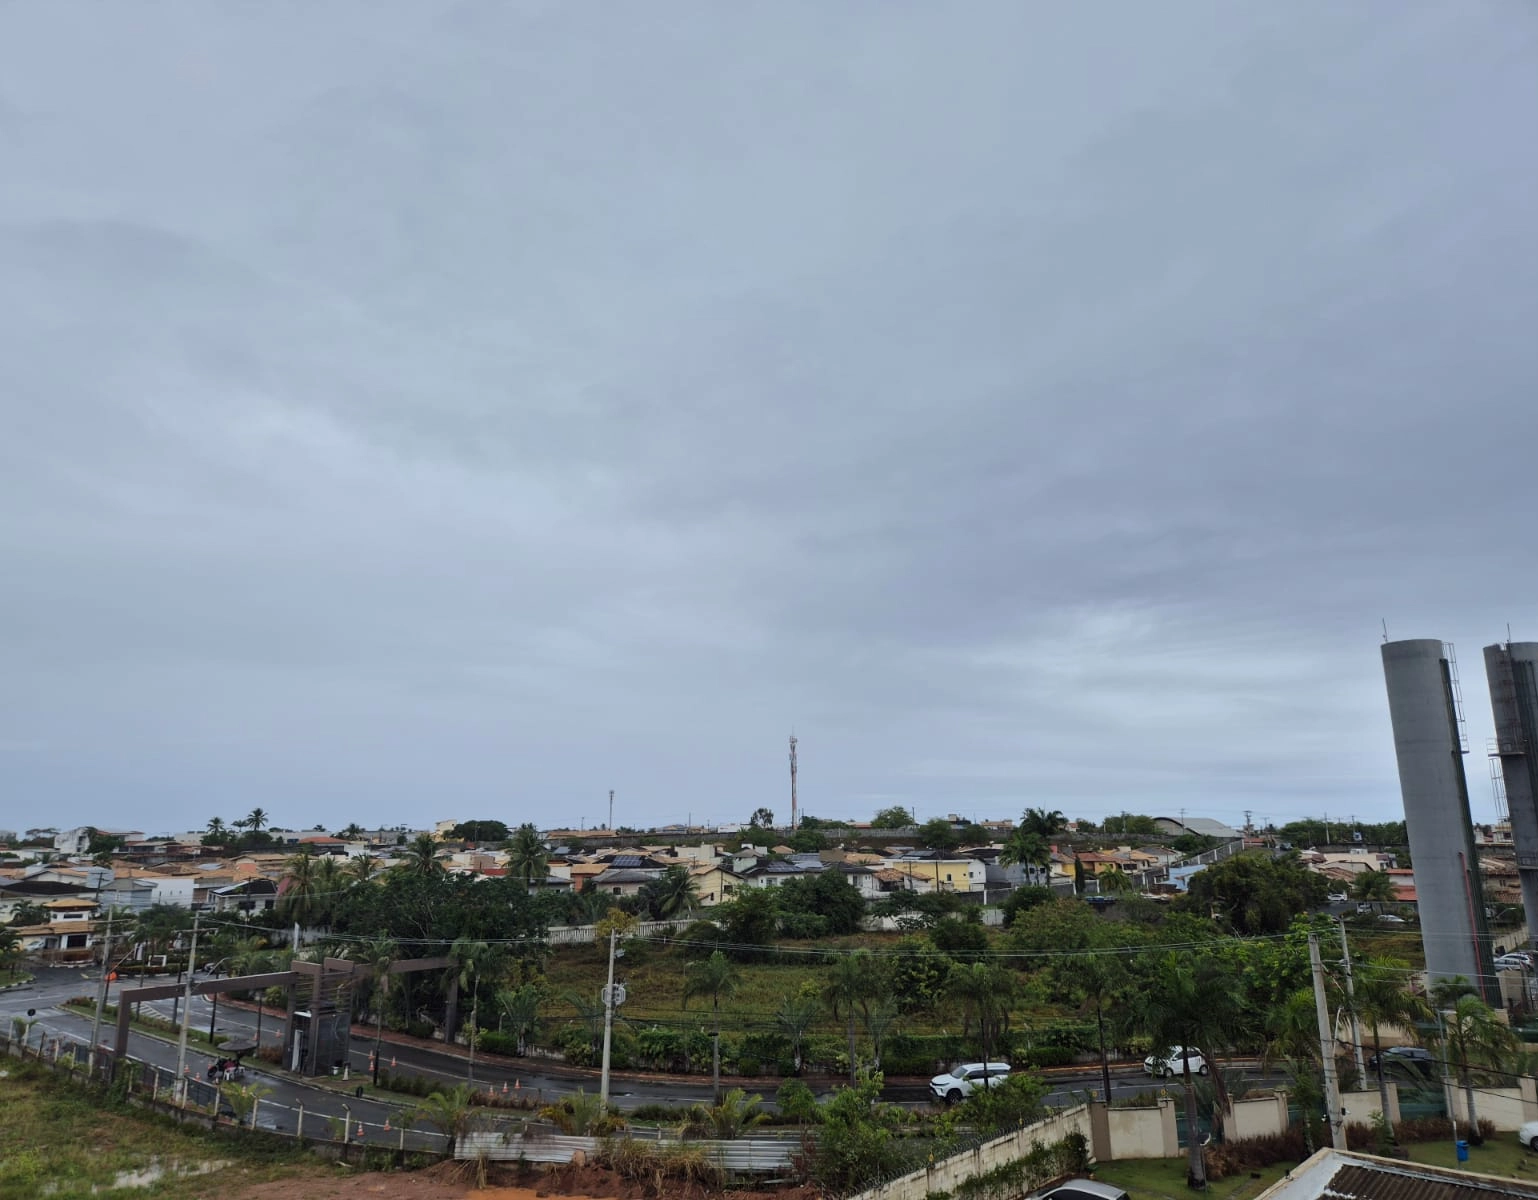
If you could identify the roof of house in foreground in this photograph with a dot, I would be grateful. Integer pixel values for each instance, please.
(1342, 1175)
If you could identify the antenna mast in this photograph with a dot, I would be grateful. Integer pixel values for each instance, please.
(611, 810)
(793, 781)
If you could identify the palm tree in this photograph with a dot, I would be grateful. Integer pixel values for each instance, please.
(1374, 887)
(1045, 823)
(671, 893)
(250, 956)
(1473, 1037)
(880, 1017)
(330, 883)
(298, 898)
(1115, 882)
(255, 820)
(1099, 979)
(729, 1118)
(158, 925)
(1027, 848)
(1292, 1034)
(450, 1113)
(361, 868)
(795, 1016)
(986, 992)
(10, 949)
(714, 977)
(526, 856)
(379, 956)
(422, 856)
(1186, 1001)
(520, 1012)
(470, 960)
(851, 983)
(1381, 999)
(351, 833)
(217, 833)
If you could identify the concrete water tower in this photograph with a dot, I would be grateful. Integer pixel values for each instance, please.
(1512, 672)
(1426, 707)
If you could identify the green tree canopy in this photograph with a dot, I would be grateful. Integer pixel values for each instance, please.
(483, 830)
(1255, 893)
(895, 817)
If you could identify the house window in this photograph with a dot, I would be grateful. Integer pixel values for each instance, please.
(616, 891)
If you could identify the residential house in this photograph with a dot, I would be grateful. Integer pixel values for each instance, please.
(943, 874)
(247, 896)
(714, 883)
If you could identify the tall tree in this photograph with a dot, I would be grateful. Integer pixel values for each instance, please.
(671, 894)
(762, 818)
(1373, 887)
(1382, 999)
(1188, 1001)
(880, 1019)
(526, 855)
(217, 832)
(795, 1016)
(421, 857)
(1292, 1036)
(893, 817)
(329, 884)
(1045, 823)
(379, 956)
(714, 977)
(939, 834)
(298, 898)
(256, 820)
(361, 868)
(351, 833)
(851, 982)
(1095, 981)
(1255, 893)
(520, 1012)
(1474, 1039)
(1026, 848)
(986, 993)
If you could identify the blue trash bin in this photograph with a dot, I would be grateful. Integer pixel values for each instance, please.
(1463, 1150)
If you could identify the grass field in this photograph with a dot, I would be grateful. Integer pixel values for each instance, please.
(55, 1140)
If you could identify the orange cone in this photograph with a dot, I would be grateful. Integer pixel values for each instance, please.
(387, 1125)
(517, 1085)
(360, 1129)
(504, 1087)
(392, 1062)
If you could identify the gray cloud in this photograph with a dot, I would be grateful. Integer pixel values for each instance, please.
(430, 409)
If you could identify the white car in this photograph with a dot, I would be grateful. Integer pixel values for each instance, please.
(1337, 898)
(1511, 962)
(964, 1078)
(1528, 1135)
(1173, 1062)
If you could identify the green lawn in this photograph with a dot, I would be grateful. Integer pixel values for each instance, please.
(1165, 1179)
(1502, 1155)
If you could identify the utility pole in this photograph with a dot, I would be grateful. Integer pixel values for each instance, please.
(101, 994)
(608, 1024)
(1326, 1047)
(611, 810)
(1356, 1024)
(792, 783)
(181, 1046)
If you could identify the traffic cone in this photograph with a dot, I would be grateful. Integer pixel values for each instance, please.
(517, 1085)
(387, 1125)
(392, 1062)
(360, 1129)
(504, 1087)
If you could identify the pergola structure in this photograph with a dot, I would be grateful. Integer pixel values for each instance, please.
(325, 1025)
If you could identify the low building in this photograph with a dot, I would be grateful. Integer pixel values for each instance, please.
(1344, 1175)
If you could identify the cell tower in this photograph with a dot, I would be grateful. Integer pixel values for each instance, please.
(793, 781)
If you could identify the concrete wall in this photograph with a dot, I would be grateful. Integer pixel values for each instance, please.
(1261, 1116)
(1506, 1108)
(1428, 747)
(1140, 1132)
(944, 1176)
(1362, 1106)
(1512, 673)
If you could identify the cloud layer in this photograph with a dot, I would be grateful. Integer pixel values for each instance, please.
(455, 409)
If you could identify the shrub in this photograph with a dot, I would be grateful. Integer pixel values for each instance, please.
(797, 1102)
(493, 1041)
(420, 1029)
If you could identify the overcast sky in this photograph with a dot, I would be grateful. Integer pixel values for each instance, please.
(418, 410)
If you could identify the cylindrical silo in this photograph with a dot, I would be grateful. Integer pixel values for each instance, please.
(1512, 671)
(1424, 707)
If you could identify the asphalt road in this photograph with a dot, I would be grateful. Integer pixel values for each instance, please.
(335, 1098)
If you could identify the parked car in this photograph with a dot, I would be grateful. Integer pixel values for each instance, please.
(1511, 962)
(1415, 1060)
(1082, 1189)
(1337, 898)
(1173, 1062)
(1528, 1135)
(1392, 918)
(964, 1078)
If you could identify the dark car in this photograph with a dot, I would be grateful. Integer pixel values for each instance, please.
(1413, 1060)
